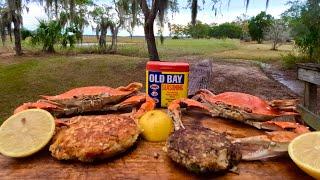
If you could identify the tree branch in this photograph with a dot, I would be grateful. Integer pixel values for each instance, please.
(145, 8)
(154, 9)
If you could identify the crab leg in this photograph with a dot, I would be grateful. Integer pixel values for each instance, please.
(146, 104)
(279, 125)
(272, 144)
(174, 110)
(41, 104)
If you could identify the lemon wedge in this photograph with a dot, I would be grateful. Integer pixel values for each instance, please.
(156, 125)
(26, 132)
(304, 150)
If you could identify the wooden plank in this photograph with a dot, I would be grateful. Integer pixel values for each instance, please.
(310, 96)
(309, 117)
(310, 76)
(147, 160)
(309, 66)
(200, 75)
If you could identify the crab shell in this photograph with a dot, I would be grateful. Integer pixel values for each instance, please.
(241, 106)
(91, 99)
(106, 93)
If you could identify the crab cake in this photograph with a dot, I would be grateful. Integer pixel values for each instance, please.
(87, 138)
(202, 150)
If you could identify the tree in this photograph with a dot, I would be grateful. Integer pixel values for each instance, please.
(226, 30)
(122, 10)
(150, 12)
(277, 33)
(71, 13)
(199, 30)
(243, 22)
(25, 33)
(5, 23)
(178, 31)
(304, 21)
(258, 24)
(14, 14)
(100, 17)
(47, 34)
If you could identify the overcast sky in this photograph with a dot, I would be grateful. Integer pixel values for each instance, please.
(225, 14)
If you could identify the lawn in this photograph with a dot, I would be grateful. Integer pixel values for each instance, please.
(24, 81)
(24, 78)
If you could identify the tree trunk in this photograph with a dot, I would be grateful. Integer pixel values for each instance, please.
(3, 37)
(274, 46)
(114, 41)
(50, 49)
(17, 35)
(151, 42)
(102, 39)
(149, 16)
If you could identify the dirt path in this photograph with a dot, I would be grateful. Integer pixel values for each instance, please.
(289, 79)
(268, 81)
(246, 77)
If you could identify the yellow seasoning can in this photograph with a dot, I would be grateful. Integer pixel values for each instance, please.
(167, 81)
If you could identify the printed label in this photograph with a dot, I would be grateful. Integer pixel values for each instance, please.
(165, 87)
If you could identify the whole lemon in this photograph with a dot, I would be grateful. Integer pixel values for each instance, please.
(156, 125)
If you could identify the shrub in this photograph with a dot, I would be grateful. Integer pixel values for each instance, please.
(290, 60)
(226, 30)
(25, 33)
(48, 34)
(258, 24)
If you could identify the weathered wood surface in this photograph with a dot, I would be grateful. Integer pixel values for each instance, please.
(309, 117)
(141, 162)
(310, 76)
(310, 96)
(310, 66)
(200, 74)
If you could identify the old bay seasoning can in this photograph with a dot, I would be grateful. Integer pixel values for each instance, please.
(167, 81)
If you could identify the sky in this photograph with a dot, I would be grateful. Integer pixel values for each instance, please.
(206, 15)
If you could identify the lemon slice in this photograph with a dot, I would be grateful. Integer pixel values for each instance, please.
(304, 150)
(156, 125)
(26, 132)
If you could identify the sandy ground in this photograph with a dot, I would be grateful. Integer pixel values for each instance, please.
(248, 77)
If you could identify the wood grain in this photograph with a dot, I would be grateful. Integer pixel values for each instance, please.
(200, 75)
(147, 160)
(310, 76)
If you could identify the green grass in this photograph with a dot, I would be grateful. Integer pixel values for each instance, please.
(25, 81)
(137, 47)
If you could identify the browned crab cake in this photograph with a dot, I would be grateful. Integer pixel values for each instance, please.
(201, 150)
(87, 138)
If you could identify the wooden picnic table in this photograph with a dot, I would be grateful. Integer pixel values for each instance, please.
(147, 160)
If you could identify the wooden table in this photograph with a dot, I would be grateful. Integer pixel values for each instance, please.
(148, 161)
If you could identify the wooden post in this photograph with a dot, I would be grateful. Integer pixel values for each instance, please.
(200, 75)
(310, 74)
(310, 96)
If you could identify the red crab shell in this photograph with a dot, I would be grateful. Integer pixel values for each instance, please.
(250, 103)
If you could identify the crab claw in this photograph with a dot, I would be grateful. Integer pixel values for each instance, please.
(289, 105)
(272, 144)
(174, 110)
(135, 86)
(146, 104)
(45, 105)
(279, 126)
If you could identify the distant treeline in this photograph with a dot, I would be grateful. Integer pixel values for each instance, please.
(202, 30)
